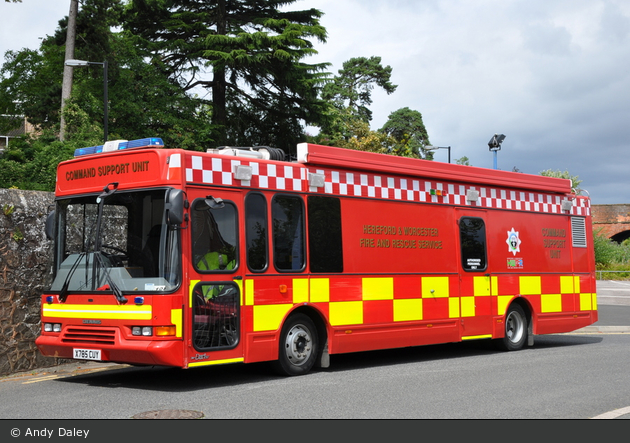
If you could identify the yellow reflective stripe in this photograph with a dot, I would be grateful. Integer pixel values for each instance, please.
(320, 290)
(586, 302)
(530, 285)
(300, 290)
(435, 287)
(192, 285)
(113, 312)
(468, 306)
(217, 362)
(408, 309)
(551, 303)
(481, 286)
(249, 292)
(502, 303)
(566, 284)
(269, 317)
(176, 319)
(476, 337)
(378, 288)
(346, 313)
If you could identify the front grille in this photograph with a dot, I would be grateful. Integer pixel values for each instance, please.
(102, 336)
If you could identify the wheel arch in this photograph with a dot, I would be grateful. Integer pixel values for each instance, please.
(528, 311)
(321, 325)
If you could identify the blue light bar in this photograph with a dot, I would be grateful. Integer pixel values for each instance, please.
(117, 145)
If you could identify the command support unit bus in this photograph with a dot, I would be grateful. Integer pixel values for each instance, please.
(185, 258)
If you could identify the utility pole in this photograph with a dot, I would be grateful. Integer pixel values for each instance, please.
(66, 86)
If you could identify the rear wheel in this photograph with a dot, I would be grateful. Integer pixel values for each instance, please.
(515, 329)
(299, 346)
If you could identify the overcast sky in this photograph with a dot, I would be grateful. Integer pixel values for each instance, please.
(552, 75)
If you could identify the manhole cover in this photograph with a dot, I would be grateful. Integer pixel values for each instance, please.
(169, 414)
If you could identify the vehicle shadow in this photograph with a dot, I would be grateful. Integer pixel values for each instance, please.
(166, 379)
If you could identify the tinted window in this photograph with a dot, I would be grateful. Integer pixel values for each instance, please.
(472, 234)
(287, 213)
(324, 234)
(214, 238)
(256, 231)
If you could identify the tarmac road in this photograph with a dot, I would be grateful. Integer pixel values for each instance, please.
(613, 304)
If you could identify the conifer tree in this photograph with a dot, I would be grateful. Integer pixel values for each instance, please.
(247, 54)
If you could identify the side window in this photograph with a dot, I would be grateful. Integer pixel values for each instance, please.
(287, 213)
(214, 236)
(472, 234)
(324, 234)
(256, 230)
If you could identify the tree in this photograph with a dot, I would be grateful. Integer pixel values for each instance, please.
(66, 85)
(143, 100)
(254, 53)
(575, 181)
(463, 161)
(352, 88)
(407, 128)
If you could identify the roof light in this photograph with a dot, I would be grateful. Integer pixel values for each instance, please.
(117, 145)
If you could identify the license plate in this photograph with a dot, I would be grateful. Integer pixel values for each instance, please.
(87, 354)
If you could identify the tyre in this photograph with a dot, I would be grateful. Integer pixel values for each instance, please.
(516, 329)
(298, 346)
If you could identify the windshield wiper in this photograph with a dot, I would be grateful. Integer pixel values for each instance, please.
(112, 285)
(63, 293)
(98, 258)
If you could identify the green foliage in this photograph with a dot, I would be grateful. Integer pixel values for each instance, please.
(609, 254)
(261, 89)
(31, 163)
(463, 161)
(8, 209)
(575, 181)
(17, 235)
(346, 122)
(352, 88)
(407, 128)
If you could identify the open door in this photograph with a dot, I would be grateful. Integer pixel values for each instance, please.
(216, 278)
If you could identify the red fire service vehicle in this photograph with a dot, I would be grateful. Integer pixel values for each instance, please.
(184, 258)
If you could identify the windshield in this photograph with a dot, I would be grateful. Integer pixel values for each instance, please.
(130, 249)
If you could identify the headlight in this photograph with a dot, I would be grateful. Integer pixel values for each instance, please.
(52, 327)
(146, 331)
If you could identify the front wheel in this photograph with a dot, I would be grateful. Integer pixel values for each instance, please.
(515, 329)
(298, 347)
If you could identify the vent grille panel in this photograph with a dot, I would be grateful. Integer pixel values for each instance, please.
(578, 232)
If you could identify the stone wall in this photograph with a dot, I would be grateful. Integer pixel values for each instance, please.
(25, 271)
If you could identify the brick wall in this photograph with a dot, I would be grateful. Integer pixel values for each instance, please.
(611, 219)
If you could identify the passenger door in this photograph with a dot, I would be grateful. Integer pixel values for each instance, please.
(216, 275)
(477, 284)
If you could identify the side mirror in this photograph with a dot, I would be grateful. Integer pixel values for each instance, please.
(174, 207)
(49, 227)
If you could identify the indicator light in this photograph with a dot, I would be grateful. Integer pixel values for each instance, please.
(162, 331)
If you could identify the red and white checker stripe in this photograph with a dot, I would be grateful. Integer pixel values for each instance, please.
(294, 177)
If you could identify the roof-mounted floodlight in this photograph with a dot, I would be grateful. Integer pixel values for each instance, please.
(495, 142)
